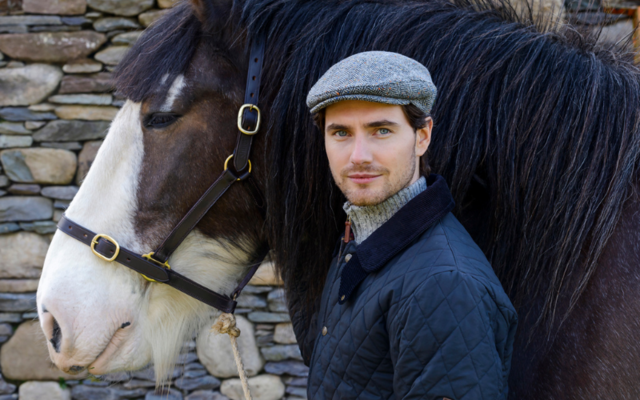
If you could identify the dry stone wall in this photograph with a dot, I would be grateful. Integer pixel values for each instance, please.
(56, 101)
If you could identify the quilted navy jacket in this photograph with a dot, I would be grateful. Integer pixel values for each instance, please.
(413, 312)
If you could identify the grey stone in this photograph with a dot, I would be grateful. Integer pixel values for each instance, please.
(6, 388)
(90, 113)
(194, 374)
(251, 301)
(34, 124)
(295, 368)
(75, 20)
(10, 317)
(15, 64)
(13, 128)
(150, 17)
(186, 358)
(24, 188)
(127, 38)
(66, 7)
(112, 55)
(18, 285)
(276, 301)
(284, 334)
(19, 208)
(260, 316)
(293, 381)
(42, 107)
(149, 373)
(281, 352)
(256, 289)
(111, 34)
(39, 165)
(216, 355)
(61, 204)
(11, 141)
(14, 302)
(86, 66)
(40, 227)
(167, 3)
(54, 28)
(28, 85)
(30, 316)
(265, 340)
(138, 383)
(30, 20)
(115, 377)
(200, 383)
(93, 15)
(4, 181)
(118, 103)
(22, 254)
(206, 395)
(60, 192)
(14, 29)
(2, 192)
(62, 145)
(24, 114)
(51, 46)
(96, 99)
(83, 392)
(85, 159)
(65, 131)
(167, 394)
(113, 23)
(9, 227)
(9, 397)
(43, 390)
(195, 366)
(297, 391)
(127, 8)
(94, 83)
(262, 387)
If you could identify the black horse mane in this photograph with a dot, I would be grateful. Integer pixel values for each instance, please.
(544, 117)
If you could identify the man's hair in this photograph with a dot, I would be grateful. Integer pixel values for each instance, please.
(417, 120)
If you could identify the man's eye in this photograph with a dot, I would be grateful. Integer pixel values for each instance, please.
(383, 131)
(341, 133)
(160, 120)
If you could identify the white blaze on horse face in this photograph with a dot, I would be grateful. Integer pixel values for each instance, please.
(173, 93)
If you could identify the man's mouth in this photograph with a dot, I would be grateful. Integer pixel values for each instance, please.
(362, 179)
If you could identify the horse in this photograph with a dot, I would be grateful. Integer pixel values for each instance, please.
(536, 131)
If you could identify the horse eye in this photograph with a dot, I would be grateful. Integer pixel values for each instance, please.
(160, 120)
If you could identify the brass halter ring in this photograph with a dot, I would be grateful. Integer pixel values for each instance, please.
(226, 164)
(241, 111)
(149, 257)
(94, 242)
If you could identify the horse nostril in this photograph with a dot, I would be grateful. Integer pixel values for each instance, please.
(75, 369)
(56, 336)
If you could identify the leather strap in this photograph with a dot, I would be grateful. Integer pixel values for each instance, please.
(154, 271)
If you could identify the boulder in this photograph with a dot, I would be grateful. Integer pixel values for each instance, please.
(112, 55)
(263, 387)
(22, 254)
(94, 83)
(25, 356)
(28, 85)
(284, 334)
(128, 8)
(62, 7)
(94, 99)
(18, 208)
(84, 66)
(85, 159)
(18, 285)
(39, 165)
(214, 351)
(67, 131)
(51, 46)
(43, 390)
(266, 276)
(89, 113)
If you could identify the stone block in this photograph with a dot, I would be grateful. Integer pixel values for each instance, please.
(263, 387)
(206, 395)
(127, 38)
(277, 301)
(62, 145)
(24, 188)
(113, 23)
(93, 99)
(51, 46)
(17, 302)
(13, 128)
(28, 85)
(43, 390)
(18, 285)
(62, 7)
(34, 124)
(281, 352)
(266, 276)
(293, 368)
(29, 20)
(94, 83)
(163, 394)
(127, 8)
(284, 334)
(84, 66)
(60, 192)
(198, 383)
(167, 3)
(83, 392)
(267, 317)
(9, 227)
(216, 355)
(66, 131)
(85, 159)
(12, 141)
(24, 114)
(39, 165)
(112, 55)
(89, 113)
(42, 107)
(19, 208)
(40, 227)
(150, 17)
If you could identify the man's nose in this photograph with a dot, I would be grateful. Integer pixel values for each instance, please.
(361, 153)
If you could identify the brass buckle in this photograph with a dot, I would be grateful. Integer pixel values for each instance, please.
(250, 107)
(149, 257)
(94, 242)
(226, 164)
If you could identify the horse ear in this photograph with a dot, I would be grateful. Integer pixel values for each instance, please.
(213, 14)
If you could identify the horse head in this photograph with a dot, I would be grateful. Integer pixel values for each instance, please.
(184, 83)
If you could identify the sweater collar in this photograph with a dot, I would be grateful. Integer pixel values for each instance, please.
(406, 225)
(366, 219)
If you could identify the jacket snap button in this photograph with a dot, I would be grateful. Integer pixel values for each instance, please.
(347, 257)
(342, 298)
(324, 330)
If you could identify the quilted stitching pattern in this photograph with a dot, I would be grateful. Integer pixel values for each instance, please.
(433, 323)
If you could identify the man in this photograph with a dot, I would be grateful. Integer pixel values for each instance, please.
(411, 308)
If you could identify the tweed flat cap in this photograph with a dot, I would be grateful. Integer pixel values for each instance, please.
(376, 76)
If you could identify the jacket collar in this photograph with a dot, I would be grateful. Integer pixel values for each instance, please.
(397, 233)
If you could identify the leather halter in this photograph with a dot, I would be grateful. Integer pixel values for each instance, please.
(154, 266)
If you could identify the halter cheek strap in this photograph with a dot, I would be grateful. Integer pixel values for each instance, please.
(154, 266)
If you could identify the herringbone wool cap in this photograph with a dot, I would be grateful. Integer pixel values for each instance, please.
(376, 76)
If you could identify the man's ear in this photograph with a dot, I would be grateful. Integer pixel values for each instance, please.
(423, 138)
(213, 14)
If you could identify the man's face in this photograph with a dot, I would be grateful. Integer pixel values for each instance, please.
(373, 151)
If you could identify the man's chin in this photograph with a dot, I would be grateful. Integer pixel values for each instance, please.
(366, 197)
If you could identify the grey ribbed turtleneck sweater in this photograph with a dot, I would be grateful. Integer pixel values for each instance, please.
(366, 219)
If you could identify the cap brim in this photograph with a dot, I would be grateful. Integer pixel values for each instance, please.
(363, 97)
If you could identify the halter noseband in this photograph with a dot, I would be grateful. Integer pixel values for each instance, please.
(153, 266)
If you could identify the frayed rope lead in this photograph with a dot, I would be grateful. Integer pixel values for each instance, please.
(226, 323)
